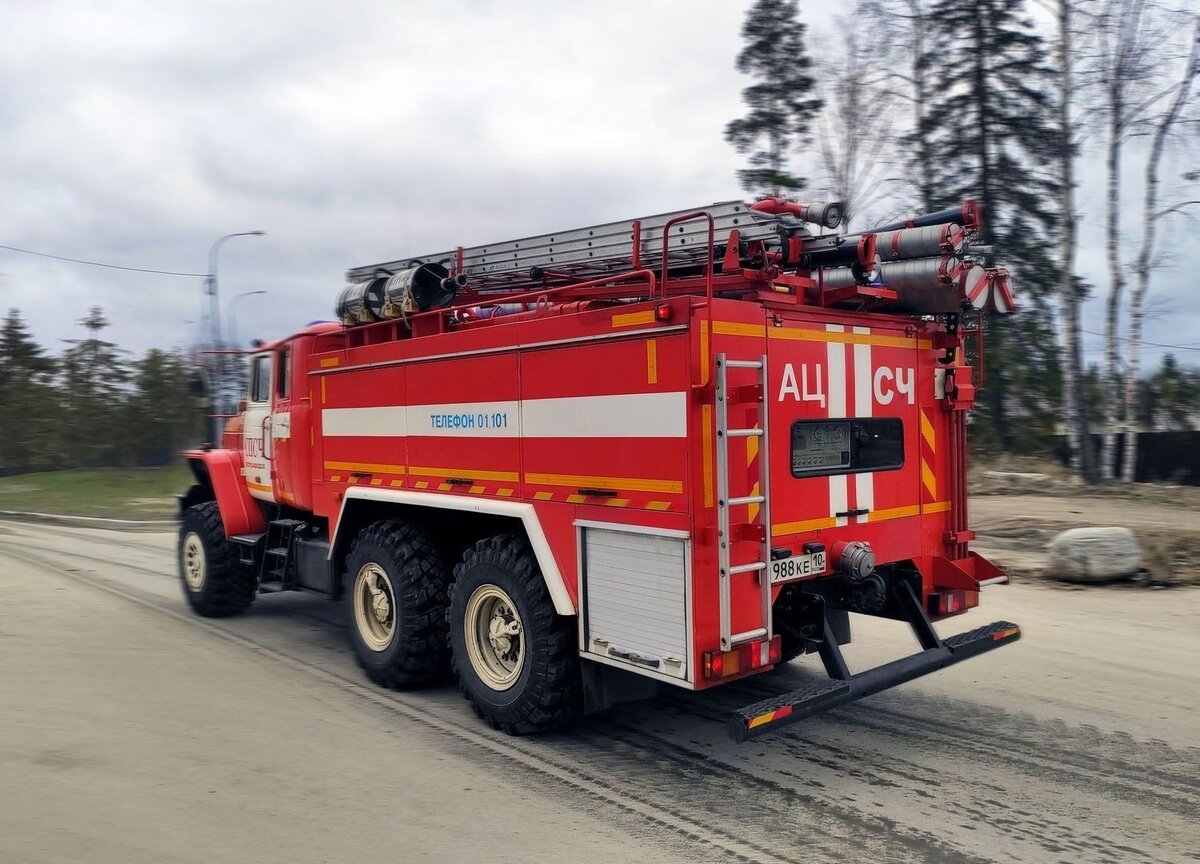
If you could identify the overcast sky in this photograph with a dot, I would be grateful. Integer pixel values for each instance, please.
(138, 132)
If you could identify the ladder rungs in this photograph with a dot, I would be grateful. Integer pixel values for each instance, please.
(747, 568)
(746, 499)
(598, 249)
(744, 433)
(743, 364)
(748, 636)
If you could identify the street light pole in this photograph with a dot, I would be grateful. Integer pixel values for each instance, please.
(211, 281)
(223, 384)
(234, 342)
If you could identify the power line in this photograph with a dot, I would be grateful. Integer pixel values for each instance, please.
(98, 263)
(1144, 342)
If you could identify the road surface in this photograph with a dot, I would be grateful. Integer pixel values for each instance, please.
(131, 731)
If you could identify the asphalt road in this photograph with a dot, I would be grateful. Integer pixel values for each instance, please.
(131, 731)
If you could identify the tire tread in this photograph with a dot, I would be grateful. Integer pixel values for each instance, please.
(554, 693)
(229, 586)
(421, 584)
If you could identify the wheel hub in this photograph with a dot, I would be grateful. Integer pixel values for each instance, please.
(374, 607)
(195, 565)
(503, 630)
(380, 605)
(495, 637)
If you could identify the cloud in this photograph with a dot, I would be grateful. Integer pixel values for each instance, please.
(138, 132)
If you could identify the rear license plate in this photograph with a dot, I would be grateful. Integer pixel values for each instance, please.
(798, 566)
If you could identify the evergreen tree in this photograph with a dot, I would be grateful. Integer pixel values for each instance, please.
(161, 417)
(28, 403)
(1170, 398)
(92, 383)
(991, 129)
(781, 102)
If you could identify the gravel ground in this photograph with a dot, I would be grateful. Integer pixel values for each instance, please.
(133, 732)
(1014, 531)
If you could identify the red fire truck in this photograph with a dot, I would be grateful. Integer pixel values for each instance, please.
(675, 450)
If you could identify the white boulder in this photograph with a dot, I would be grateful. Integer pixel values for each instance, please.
(1095, 555)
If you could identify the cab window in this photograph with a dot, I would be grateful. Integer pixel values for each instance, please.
(260, 379)
(285, 374)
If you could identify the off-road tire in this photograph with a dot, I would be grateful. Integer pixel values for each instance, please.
(228, 586)
(548, 694)
(418, 652)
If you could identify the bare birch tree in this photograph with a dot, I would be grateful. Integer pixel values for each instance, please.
(1070, 293)
(854, 128)
(1124, 66)
(906, 23)
(1143, 266)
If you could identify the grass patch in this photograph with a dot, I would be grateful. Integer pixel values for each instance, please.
(112, 493)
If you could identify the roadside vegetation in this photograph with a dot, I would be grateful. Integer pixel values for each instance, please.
(93, 405)
(110, 493)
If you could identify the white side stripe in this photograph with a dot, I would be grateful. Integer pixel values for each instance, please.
(864, 399)
(466, 420)
(625, 415)
(629, 415)
(836, 361)
(387, 421)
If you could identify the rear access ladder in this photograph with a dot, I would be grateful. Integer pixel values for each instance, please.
(757, 528)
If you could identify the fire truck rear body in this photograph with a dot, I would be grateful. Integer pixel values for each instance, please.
(708, 483)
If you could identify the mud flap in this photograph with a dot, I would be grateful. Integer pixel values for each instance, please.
(776, 712)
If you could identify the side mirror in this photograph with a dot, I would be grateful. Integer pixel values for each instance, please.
(241, 406)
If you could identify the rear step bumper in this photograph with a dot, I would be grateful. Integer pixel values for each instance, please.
(771, 714)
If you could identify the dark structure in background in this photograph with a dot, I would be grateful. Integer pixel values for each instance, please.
(1163, 457)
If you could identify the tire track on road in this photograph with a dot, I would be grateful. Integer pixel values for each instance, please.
(793, 810)
(877, 844)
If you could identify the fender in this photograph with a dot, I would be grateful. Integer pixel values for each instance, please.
(222, 471)
(525, 512)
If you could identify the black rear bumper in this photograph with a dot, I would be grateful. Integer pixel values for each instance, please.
(842, 687)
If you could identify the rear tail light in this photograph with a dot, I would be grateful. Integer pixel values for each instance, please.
(663, 312)
(744, 658)
(951, 601)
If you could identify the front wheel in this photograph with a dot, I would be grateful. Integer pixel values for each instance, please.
(515, 657)
(215, 582)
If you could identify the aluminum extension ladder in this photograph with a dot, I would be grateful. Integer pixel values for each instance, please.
(599, 250)
(762, 525)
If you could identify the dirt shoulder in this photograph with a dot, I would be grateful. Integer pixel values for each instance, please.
(1014, 529)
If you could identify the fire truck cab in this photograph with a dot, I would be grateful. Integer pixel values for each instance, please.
(677, 450)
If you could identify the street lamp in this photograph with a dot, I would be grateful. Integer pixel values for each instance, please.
(224, 386)
(233, 337)
(211, 281)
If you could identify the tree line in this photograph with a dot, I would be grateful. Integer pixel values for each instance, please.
(92, 404)
(998, 101)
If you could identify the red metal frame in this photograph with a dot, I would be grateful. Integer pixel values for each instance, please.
(666, 251)
(579, 352)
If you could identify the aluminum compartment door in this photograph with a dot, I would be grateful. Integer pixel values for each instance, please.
(636, 594)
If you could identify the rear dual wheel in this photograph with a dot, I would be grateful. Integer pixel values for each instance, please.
(397, 584)
(516, 659)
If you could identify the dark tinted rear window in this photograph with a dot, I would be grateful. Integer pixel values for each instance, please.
(847, 446)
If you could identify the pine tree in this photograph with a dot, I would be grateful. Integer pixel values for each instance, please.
(781, 104)
(1169, 399)
(92, 383)
(991, 129)
(27, 403)
(161, 417)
